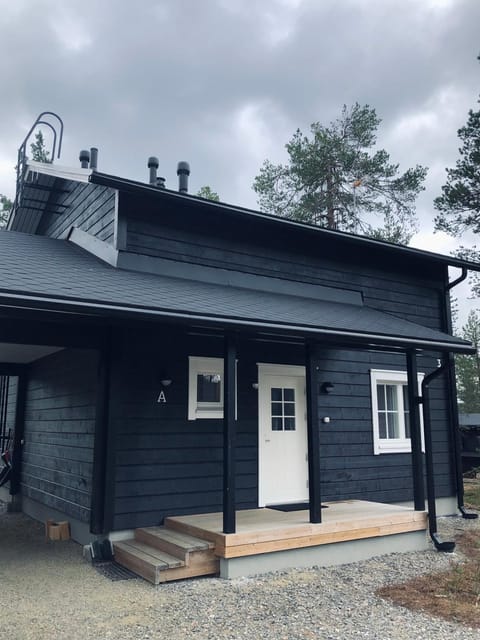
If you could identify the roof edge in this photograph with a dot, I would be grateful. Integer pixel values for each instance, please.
(75, 305)
(133, 185)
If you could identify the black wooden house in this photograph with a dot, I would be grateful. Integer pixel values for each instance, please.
(170, 357)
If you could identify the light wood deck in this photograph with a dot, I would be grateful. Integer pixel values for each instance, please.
(267, 530)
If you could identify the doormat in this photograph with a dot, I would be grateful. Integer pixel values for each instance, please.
(295, 506)
(114, 571)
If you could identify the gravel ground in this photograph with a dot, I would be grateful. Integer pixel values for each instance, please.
(48, 591)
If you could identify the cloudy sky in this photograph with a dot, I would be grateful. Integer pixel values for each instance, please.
(224, 84)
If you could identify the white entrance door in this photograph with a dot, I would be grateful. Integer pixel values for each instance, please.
(282, 428)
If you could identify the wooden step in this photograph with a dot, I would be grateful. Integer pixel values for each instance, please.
(161, 555)
(176, 543)
(146, 561)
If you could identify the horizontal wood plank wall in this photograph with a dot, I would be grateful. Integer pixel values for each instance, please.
(348, 467)
(403, 289)
(166, 464)
(87, 206)
(59, 431)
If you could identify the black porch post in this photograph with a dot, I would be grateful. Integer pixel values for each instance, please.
(229, 435)
(15, 478)
(313, 439)
(97, 503)
(415, 435)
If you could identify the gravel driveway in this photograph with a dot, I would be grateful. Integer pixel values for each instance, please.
(49, 591)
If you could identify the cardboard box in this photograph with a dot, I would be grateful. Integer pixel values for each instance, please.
(57, 530)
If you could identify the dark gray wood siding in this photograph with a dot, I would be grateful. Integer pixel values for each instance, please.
(59, 430)
(86, 206)
(164, 463)
(405, 289)
(167, 465)
(349, 469)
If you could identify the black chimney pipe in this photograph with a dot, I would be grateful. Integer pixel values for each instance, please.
(153, 165)
(84, 158)
(93, 158)
(183, 171)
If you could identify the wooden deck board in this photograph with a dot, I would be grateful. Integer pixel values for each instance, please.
(267, 530)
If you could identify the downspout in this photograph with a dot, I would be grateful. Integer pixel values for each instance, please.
(452, 395)
(427, 428)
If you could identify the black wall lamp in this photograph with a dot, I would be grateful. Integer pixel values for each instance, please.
(165, 381)
(327, 387)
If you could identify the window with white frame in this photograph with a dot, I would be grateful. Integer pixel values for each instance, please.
(391, 419)
(205, 388)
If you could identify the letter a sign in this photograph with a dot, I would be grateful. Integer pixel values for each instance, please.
(161, 397)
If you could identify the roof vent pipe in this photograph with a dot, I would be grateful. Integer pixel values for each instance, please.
(93, 158)
(160, 182)
(183, 171)
(153, 164)
(84, 158)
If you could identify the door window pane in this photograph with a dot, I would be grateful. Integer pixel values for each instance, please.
(277, 408)
(276, 394)
(289, 395)
(277, 424)
(282, 409)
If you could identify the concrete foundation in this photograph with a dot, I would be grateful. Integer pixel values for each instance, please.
(323, 555)
(444, 506)
(79, 531)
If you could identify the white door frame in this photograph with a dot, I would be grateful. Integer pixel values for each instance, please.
(266, 370)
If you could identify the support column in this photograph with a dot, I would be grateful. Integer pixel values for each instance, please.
(313, 438)
(97, 503)
(415, 434)
(229, 435)
(15, 478)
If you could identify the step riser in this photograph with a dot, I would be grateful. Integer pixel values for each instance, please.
(138, 566)
(169, 575)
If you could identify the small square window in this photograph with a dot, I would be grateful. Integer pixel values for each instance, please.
(205, 388)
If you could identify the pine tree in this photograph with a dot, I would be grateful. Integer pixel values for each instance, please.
(207, 193)
(5, 208)
(468, 367)
(336, 179)
(37, 149)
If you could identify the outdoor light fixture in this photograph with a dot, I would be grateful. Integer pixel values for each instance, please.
(165, 381)
(327, 387)
(255, 386)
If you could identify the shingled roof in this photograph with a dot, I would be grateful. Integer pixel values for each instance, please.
(49, 274)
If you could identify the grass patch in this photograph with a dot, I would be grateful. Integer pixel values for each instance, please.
(472, 494)
(454, 594)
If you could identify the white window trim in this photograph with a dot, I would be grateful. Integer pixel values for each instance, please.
(400, 445)
(204, 410)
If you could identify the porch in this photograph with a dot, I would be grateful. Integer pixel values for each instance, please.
(268, 539)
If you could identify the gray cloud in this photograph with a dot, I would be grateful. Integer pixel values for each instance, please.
(224, 83)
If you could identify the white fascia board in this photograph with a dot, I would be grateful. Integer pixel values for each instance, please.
(59, 171)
